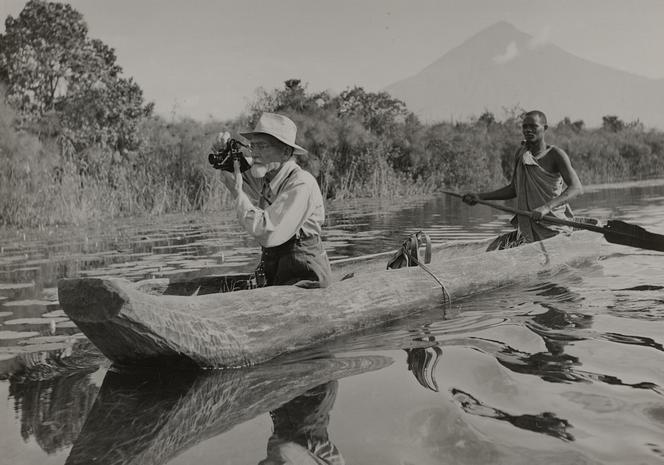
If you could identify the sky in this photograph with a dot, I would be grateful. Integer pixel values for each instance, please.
(207, 58)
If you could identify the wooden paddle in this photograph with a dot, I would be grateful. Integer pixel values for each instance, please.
(615, 231)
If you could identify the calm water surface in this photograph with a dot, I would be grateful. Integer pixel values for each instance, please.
(564, 371)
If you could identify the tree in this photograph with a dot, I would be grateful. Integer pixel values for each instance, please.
(566, 123)
(612, 123)
(55, 72)
(293, 98)
(487, 118)
(579, 124)
(379, 112)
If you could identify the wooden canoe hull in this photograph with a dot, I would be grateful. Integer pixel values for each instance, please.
(247, 327)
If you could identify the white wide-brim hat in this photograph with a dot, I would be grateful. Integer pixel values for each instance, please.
(278, 126)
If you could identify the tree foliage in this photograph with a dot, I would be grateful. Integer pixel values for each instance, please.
(612, 123)
(65, 84)
(343, 133)
(378, 112)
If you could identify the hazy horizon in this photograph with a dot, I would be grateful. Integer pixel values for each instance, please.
(207, 59)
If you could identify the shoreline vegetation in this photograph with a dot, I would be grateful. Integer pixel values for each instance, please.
(79, 144)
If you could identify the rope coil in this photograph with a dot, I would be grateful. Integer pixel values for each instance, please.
(409, 255)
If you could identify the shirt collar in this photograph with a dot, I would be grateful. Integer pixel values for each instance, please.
(285, 170)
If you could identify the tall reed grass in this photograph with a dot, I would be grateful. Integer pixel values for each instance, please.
(42, 183)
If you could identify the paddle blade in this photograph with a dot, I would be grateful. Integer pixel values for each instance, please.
(619, 232)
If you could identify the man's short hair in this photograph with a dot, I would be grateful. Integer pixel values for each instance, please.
(539, 114)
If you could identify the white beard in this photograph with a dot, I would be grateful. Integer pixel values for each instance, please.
(259, 171)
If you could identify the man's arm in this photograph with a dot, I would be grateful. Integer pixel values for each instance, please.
(568, 173)
(504, 193)
(280, 221)
(252, 186)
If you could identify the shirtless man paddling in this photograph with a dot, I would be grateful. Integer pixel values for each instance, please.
(543, 182)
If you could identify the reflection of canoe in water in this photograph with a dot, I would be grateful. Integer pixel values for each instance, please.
(246, 327)
(150, 420)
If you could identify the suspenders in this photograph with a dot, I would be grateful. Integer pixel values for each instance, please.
(266, 186)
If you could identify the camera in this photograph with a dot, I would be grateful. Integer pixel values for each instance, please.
(223, 159)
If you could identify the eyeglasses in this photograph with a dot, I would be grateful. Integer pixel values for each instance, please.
(260, 145)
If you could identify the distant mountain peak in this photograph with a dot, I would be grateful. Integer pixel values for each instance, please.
(502, 67)
(496, 44)
(499, 33)
(501, 29)
(502, 41)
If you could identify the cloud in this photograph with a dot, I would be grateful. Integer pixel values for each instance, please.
(511, 52)
(540, 38)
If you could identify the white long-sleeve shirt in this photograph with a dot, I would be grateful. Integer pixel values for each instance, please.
(290, 203)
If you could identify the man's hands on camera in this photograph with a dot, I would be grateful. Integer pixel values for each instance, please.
(232, 181)
(470, 198)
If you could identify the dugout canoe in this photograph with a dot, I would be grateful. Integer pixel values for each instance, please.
(246, 327)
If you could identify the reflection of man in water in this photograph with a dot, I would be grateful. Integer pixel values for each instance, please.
(557, 328)
(300, 430)
(545, 422)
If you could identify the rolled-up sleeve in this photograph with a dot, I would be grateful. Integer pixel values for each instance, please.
(280, 221)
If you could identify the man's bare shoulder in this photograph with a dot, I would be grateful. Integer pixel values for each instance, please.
(557, 151)
(556, 154)
(553, 159)
(558, 160)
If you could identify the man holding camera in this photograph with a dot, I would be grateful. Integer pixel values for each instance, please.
(287, 212)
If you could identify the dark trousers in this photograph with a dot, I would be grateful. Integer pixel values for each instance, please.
(300, 261)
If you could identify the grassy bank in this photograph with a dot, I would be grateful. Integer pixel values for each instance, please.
(43, 182)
